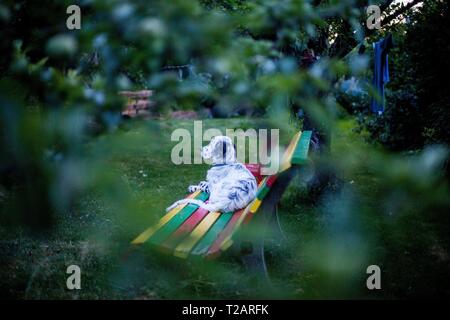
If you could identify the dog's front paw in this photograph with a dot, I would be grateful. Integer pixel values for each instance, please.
(204, 186)
(192, 189)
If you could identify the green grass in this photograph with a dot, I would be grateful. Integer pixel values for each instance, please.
(329, 242)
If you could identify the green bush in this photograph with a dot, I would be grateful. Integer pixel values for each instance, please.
(417, 98)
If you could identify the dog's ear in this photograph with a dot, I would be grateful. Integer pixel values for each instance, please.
(224, 149)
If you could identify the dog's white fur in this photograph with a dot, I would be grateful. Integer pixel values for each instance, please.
(231, 186)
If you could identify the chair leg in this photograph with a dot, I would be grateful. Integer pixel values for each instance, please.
(252, 249)
(253, 252)
(255, 261)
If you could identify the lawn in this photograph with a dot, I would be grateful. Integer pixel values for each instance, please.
(330, 242)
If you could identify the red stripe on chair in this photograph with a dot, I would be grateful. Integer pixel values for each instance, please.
(255, 170)
(248, 218)
(184, 229)
(214, 250)
(271, 180)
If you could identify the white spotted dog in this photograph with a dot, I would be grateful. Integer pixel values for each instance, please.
(231, 186)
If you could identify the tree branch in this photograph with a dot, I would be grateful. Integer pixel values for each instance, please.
(394, 15)
(388, 19)
(399, 12)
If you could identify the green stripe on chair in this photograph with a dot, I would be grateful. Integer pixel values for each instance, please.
(212, 234)
(162, 234)
(300, 155)
(185, 247)
(263, 190)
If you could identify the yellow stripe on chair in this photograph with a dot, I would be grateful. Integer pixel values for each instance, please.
(262, 181)
(150, 231)
(226, 242)
(255, 205)
(183, 249)
(286, 162)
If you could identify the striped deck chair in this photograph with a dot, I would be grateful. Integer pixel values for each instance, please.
(188, 230)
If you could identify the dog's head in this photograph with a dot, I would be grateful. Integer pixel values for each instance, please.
(220, 150)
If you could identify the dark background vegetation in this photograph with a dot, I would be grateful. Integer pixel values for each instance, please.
(78, 182)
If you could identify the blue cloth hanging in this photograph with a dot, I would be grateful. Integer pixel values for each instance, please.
(380, 74)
